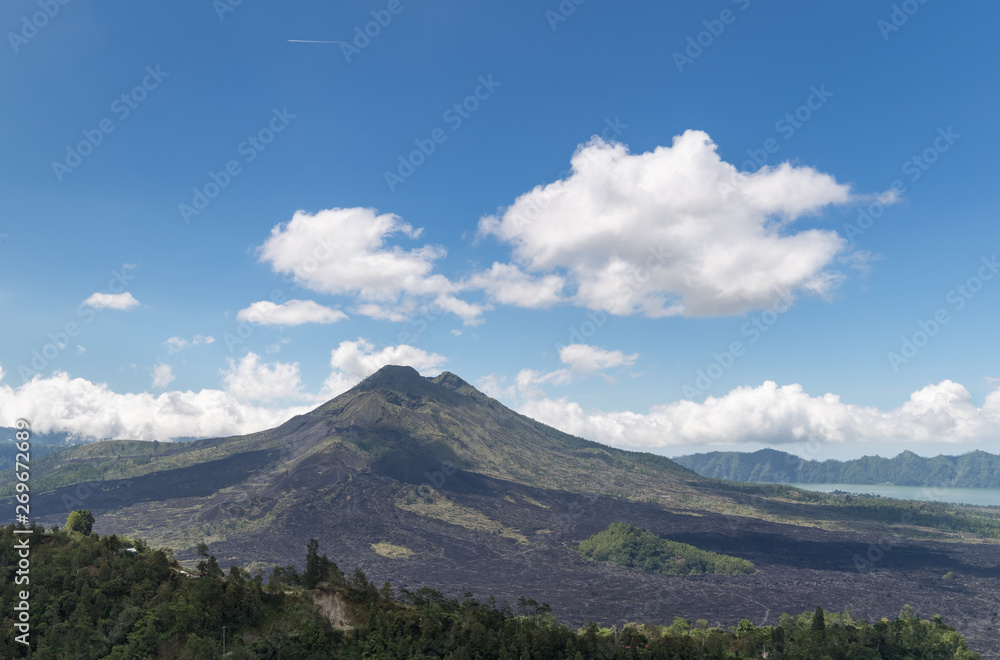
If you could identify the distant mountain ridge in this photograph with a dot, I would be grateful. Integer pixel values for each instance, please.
(977, 469)
(41, 444)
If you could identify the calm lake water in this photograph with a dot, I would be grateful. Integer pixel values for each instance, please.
(984, 496)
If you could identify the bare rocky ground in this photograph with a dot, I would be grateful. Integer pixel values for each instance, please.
(798, 567)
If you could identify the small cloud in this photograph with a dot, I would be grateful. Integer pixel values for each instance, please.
(583, 358)
(293, 312)
(176, 344)
(119, 301)
(80, 349)
(163, 375)
(276, 346)
(456, 332)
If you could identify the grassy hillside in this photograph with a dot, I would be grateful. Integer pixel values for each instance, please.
(636, 548)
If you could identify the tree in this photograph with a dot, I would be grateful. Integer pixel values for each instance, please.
(81, 520)
(319, 568)
(819, 623)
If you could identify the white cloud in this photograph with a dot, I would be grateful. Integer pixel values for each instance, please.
(353, 361)
(581, 360)
(771, 415)
(111, 301)
(293, 312)
(586, 359)
(251, 380)
(60, 403)
(80, 349)
(163, 375)
(176, 344)
(675, 231)
(347, 252)
(509, 285)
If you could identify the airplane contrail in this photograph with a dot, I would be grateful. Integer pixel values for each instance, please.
(309, 41)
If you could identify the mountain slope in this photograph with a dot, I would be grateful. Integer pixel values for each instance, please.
(439, 433)
(977, 469)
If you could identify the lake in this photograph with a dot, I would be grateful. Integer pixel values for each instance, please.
(982, 496)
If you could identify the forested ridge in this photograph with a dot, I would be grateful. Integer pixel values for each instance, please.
(113, 597)
(977, 469)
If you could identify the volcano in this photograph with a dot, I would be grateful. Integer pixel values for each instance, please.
(427, 482)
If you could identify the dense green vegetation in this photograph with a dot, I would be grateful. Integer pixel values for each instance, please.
(636, 548)
(92, 597)
(976, 469)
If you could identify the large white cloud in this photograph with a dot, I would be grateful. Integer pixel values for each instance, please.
(293, 312)
(771, 415)
(675, 231)
(347, 252)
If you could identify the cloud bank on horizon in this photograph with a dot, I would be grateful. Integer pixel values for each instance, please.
(766, 414)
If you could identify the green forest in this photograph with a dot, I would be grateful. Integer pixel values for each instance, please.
(636, 548)
(114, 597)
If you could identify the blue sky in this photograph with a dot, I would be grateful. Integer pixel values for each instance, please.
(507, 246)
